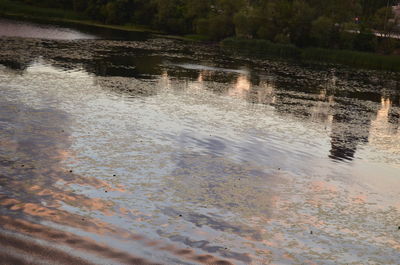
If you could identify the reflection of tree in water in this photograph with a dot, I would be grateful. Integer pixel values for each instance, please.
(350, 122)
(16, 65)
(348, 131)
(394, 120)
(353, 125)
(350, 119)
(394, 114)
(142, 64)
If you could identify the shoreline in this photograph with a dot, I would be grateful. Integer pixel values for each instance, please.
(356, 59)
(127, 28)
(90, 23)
(351, 58)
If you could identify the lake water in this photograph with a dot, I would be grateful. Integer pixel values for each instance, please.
(156, 151)
(12, 28)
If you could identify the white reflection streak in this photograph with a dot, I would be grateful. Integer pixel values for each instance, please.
(381, 133)
(241, 87)
(320, 112)
(165, 81)
(380, 126)
(199, 84)
(266, 95)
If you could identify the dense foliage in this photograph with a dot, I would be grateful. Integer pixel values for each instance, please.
(327, 23)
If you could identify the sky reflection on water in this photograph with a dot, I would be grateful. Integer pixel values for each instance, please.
(169, 159)
(11, 28)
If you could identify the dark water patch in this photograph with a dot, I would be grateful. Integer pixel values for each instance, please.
(207, 247)
(129, 66)
(201, 220)
(38, 251)
(20, 66)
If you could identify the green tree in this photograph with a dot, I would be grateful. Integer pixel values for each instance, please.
(328, 23)
(322, 31)
(385, 21)
(366, 41)
(80, 5)
(275, 16)
(116, 12)
(246, 23)
(170, 16)
(300, 23)
(215, 27)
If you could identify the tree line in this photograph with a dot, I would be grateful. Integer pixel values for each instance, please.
(345, 24)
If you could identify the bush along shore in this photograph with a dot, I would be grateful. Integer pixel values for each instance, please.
(334, 56)
(352, 49)
(16, 10)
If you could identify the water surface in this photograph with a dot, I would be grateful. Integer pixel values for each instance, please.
(159, 151)
(12, 28)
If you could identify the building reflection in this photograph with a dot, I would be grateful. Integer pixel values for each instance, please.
(241, 87)
(253, 89)
(351, 124)
(384, 132)
(321, 111)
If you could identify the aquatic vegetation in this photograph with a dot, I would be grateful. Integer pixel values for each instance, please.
(333, 56)
(353, 58)
(264, 47)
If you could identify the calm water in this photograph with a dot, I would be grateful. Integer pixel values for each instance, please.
(159, 151)
(12, 28)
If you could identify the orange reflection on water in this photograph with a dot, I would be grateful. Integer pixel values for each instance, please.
(384, 134)
(200, 79)
(263, 93)
(57, 216)
(241, 87)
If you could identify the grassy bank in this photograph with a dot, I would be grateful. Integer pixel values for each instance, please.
(13, 9)
(353, 58)
(263, 47)
(346, 57)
